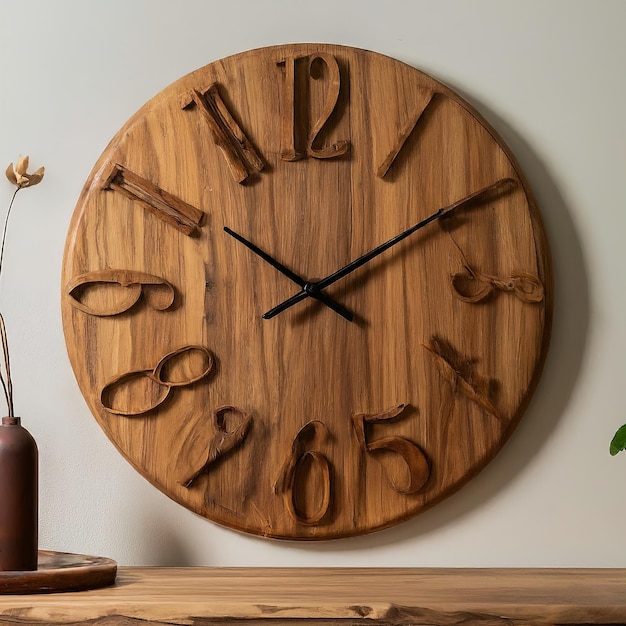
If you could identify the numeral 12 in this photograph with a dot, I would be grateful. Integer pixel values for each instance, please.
(295, 113)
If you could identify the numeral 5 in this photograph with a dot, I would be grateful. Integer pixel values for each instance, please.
(411, 453)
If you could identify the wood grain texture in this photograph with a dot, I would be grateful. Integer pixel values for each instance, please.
(439, 325)
(346, 596)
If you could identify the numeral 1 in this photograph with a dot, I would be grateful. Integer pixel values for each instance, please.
(164, 205)
(295, 114)
(387, 162)
(289, 113)
(241, 156)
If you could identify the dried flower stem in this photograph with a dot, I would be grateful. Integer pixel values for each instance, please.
(17, 175)
(6, 225)
(7, 385)
(5, 379)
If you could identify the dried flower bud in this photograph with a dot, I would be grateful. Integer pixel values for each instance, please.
(18, 175)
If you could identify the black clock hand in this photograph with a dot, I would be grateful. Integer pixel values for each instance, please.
(309, 289)
(318, 295)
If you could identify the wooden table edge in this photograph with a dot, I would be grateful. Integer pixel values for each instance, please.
(394, 596)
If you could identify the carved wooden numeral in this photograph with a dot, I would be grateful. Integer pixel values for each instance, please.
(164, 205)
(241, 156)
(224, 440)
(332, 96)
(289, 114)
(460, 372)
(117, 291)
(302, 461)
(297, 128)
(406, 132)
(473, 286)
(412, 455)
(141, 391)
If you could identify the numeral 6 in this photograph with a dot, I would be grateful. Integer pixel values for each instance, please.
(301, 462)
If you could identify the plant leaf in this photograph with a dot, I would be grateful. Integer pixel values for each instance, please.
(618, 442)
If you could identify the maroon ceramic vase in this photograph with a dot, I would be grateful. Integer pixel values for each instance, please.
(18, 497)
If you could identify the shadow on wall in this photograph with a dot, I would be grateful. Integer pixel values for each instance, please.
(166, 547)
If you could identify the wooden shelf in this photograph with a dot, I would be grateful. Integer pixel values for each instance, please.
(324, 596)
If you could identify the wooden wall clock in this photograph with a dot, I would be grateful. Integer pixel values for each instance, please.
(307, 292)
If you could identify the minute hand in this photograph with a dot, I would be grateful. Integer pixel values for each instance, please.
(315, 287)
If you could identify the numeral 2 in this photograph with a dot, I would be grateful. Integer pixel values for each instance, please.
(295, 115)
(224, 441)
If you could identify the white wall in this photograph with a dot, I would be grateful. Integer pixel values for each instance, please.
(548, 74)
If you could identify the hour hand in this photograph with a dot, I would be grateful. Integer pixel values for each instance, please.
(298, 280)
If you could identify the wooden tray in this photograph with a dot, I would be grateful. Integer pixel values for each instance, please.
(61, 571)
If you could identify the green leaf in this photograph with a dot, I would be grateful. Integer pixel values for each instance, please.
(619, 441)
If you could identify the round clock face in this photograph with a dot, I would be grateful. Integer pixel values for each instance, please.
(306, 292)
